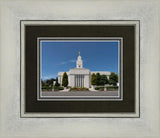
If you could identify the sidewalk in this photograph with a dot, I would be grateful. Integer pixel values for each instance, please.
(92, 89)
(65, 90)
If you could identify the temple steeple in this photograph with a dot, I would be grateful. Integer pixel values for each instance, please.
(79, 61)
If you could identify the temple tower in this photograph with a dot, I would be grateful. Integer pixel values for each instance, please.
(79, 62)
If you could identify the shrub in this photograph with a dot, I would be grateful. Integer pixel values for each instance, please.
(84, 88)
(58, 88)
(79, 89)
(46, 88)
(99, 88)
(111, 88)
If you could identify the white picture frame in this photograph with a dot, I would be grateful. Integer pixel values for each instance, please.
(11, 125)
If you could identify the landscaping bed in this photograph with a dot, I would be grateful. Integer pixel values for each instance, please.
(79, 89)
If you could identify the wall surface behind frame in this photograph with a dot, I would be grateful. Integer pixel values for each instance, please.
(11, 12)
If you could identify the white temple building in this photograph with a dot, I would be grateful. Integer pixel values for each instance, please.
(79, 76)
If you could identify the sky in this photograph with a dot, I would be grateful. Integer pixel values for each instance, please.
(61, 56)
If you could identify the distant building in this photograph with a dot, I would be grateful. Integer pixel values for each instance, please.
(79, 76)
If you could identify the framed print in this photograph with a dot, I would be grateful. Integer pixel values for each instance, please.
(56, 84)
(75, 69)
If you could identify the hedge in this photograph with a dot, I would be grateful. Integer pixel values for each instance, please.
(109, 88)
(46, 88)
(99, 88)
(58, 88)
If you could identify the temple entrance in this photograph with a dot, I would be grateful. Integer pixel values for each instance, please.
(79, 81)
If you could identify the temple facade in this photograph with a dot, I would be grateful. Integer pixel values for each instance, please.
(79, 76)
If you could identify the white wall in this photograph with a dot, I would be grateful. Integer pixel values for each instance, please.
(71, 79)
(86, 81)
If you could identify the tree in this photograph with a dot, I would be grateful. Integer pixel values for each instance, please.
(93, 79)
(65, 79)
(42, 83)
(103, 80)
(98, 78)
(113, 79)
(57, 84)
(50, 81)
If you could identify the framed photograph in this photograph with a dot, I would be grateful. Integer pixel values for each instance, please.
(80, 68)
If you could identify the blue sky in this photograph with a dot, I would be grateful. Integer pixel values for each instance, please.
(57, 56)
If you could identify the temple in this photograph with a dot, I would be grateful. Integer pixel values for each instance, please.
(79, 76)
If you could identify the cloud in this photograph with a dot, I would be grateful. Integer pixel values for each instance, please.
(72, 61)
(69, 61)
(49, 77)
(46, 77)
(62, 63)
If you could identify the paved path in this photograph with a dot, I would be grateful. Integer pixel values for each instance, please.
(81, 93)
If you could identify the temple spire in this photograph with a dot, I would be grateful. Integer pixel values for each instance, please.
(79, 61)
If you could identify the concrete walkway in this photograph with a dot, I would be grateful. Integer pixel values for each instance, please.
(65, 90)
(81, 93)
(92, 89)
